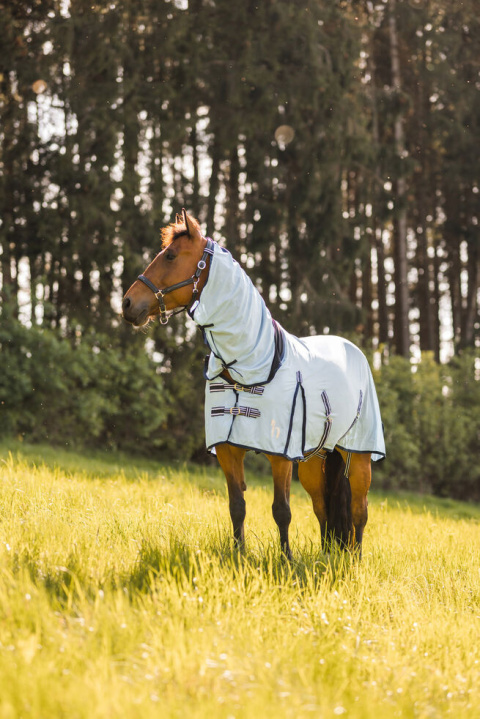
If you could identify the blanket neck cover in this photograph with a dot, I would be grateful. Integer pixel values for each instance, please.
(236, 323)
(315, 393)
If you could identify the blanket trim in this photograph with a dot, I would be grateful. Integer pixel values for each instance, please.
(277, 361)
(359, 409)
(299, 386)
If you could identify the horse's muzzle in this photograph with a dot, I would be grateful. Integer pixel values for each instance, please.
(135, 315)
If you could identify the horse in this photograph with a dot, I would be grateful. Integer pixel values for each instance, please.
(310, 400)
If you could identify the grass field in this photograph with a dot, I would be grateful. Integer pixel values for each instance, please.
(121, 596)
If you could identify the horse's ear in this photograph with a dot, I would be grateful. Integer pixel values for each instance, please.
(178, 219)
(191, 225)
(185, 219)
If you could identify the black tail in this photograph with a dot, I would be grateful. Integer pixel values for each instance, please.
(338, 500)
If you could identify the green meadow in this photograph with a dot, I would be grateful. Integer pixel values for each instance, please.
(121, 596)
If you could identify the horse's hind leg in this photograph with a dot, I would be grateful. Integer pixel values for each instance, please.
(312, 477)
(231, 461)
(282, 478)
(360, 477)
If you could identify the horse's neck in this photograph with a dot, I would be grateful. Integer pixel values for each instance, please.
(237, 322)
(233, 296)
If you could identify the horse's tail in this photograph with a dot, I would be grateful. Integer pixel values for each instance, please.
(338, 499)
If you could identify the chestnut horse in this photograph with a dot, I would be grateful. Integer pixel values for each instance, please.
(337, 480)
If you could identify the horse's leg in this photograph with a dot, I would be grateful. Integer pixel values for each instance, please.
(231, 461)
(282, 478)
(312, 477)
(360, 477)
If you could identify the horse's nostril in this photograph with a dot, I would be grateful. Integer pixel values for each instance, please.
(126, 303)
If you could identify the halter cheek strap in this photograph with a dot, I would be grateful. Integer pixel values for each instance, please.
(193, 280)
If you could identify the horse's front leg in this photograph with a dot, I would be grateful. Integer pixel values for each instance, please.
(231, 461)
(282, 478)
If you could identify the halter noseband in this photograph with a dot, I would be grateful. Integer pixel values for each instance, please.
(193, 280)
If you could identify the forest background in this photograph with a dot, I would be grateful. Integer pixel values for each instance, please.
(332, 146)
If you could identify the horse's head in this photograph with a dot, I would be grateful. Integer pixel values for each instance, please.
(182, 247)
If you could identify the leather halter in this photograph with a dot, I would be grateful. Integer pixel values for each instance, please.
(193, 280)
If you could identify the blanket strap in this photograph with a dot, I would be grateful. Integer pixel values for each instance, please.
(223, 386)
(319, 451)
(347, 464)
(236, 411)
(322, 453)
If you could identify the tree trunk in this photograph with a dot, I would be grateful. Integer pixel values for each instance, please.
(471, 309)
(376, 240)
(436, 299)
(231, 210)
(214, 184)
(402, 332)
(195, 201)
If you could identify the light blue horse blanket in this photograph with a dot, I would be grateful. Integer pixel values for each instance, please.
(288, 398)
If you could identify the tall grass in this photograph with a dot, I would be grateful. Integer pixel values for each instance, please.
(121, 595)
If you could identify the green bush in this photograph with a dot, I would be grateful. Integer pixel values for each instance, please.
(432, 420)
(97, 394)
(90, 393)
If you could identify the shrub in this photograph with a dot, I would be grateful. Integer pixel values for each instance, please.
(99, 393)
(88, 393)
(432, 419)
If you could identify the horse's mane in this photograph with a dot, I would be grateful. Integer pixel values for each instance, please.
(176, 229)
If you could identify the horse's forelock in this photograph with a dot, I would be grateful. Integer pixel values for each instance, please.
(174, 230)
(171, 232)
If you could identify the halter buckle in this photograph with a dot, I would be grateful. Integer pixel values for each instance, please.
(159, 294)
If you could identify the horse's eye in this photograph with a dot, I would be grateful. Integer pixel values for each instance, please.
(170, 256)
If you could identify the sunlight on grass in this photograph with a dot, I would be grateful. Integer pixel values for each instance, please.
(121, 595)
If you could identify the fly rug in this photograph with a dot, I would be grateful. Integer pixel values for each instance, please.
(310, 400)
